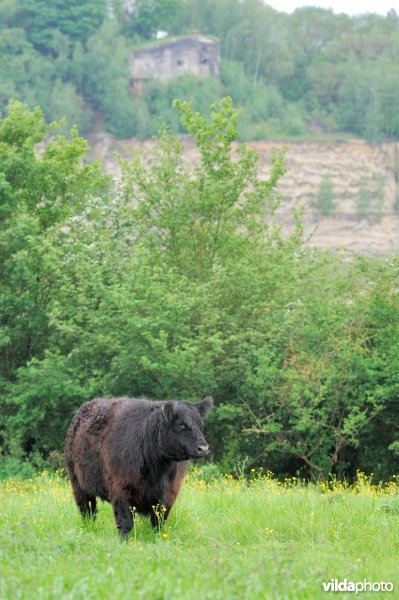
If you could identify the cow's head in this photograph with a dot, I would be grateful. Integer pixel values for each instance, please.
(184, 428)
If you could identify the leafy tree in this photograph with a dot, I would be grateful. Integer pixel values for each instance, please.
(333, 382)
(325, 196)
(145, 17)
(77, 19)
(66, 103)
(37, 192)
(217, 213)
(25, 73)
(105, 79)
(159, 97)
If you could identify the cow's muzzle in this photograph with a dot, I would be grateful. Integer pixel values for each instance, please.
(202, 450)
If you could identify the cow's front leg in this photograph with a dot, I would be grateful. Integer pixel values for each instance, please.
(123, 516)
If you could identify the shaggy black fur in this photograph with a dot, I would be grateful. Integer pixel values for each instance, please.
(133, 453)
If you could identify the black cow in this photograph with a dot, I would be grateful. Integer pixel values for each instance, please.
(133, 453)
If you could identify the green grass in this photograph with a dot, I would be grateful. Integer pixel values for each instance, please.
(224, 540)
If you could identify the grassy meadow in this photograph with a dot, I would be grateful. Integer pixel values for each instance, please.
(225, 539)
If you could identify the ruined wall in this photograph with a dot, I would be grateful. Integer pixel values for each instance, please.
(363, 183)
(194, 54)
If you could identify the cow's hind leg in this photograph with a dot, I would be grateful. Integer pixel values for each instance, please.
(87, 506)
(86, 503)
(123, 516)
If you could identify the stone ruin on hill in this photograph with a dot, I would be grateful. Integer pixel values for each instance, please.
(195, 54)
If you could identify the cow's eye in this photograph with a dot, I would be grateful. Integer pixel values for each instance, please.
(182, 427)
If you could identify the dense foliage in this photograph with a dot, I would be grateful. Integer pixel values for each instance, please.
(312, 73)
(177, 283)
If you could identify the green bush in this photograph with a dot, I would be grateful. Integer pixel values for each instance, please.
(12, 467)
(181, 284)
(325, 196)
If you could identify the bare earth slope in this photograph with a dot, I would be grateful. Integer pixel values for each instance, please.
(362, 182)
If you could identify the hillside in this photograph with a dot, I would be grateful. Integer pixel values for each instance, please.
(355, 183)
(309, 74)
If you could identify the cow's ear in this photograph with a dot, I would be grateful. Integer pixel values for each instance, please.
(169, 410)
(204, 406)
